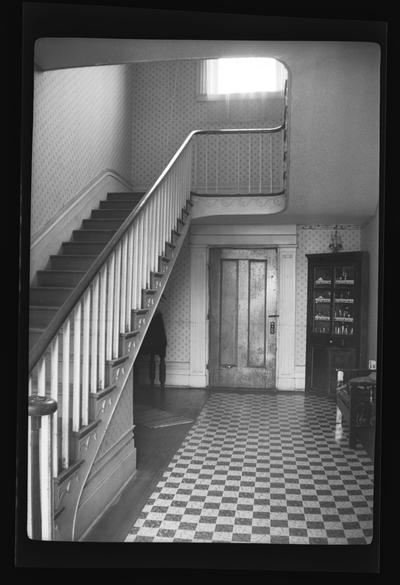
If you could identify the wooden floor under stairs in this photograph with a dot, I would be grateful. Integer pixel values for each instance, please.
(55, 283)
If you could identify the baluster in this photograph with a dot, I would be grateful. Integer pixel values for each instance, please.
(30, 491)
(238, 161)
(95, 333)
(102, 330)
(206, 161)
(135, 267)
(168, 209)
(85, 359)
(260, 167)
(124, 278)
(76, 370)
(45, 460)
(42, 377)
(129, 281)
(217, 163)
(54, 396)
(176, 187)
(145, 247)
(139, 262)
(165, 215)
(249, 163)
(117, 301)
(270, 163)
(65, 395)
(195, 163)
(158, 226)
(153, 236)
(110, 306)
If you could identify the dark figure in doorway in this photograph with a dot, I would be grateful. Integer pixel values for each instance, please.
(155, 343)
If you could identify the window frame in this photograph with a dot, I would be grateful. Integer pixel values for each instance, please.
(201, 86)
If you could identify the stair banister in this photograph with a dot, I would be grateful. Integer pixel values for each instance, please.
(113, 288)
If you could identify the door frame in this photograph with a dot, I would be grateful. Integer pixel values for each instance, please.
(252, 235)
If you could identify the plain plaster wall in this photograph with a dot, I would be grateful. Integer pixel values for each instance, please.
(370, 243)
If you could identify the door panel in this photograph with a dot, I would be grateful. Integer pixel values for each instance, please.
(242, 296)
(229, 314)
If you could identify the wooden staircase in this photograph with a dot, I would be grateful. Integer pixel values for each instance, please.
(89, 311)
(54, 284)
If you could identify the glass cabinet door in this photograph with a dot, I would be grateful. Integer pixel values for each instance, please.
(322, 300)
(343, 300)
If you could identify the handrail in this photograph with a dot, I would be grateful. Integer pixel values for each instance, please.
(59, 318)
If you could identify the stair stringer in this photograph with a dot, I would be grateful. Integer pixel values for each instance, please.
(69, 486)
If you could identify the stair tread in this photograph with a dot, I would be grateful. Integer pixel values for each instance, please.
(96, 230)
(52, 287)
(44, 307)
(74, 255)
(62, 270)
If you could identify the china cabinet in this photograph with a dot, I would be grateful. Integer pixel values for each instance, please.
(336, 317)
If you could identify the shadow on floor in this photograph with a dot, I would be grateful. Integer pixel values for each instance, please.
(155, 448)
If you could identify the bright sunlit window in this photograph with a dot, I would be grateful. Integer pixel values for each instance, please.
(239, 76)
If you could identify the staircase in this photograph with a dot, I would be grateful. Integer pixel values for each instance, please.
(64, 270)
(89, 312)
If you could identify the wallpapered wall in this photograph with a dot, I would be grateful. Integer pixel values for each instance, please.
(165, 110)
(310, 240)
(81, 126)
(176, 308)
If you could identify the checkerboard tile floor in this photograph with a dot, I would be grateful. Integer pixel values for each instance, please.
(269, 468)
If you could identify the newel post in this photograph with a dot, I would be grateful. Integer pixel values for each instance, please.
(38, 406)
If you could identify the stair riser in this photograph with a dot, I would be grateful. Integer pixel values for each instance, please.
(40, 318)
(82, 248)
(55, 278)
(76, 263)
(92, 236)
(50, 297)
(110, 213)
(126, 196)
(101, 224)
(116, 204)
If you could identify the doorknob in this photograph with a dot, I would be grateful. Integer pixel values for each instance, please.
(227, 366)
(273, 315)
(272, 327)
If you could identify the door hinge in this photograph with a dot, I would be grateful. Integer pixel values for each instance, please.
(207, 366)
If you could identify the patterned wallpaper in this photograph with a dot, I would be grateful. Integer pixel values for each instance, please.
(176, 308)
(310, 240)
(81, 126)
(166, 109)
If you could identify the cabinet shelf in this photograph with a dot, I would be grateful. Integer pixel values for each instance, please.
(348, 282)
(344, 301)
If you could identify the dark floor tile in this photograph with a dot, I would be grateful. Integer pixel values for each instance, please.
(241, 537)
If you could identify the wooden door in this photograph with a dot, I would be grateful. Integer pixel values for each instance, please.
(243, 321)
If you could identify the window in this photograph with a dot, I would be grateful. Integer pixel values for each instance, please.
(240, 77)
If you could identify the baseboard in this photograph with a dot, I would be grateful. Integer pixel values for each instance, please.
(300, 377)
(177, 373)
(48, 240)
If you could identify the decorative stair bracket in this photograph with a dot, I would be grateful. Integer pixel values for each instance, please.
(69, 485)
